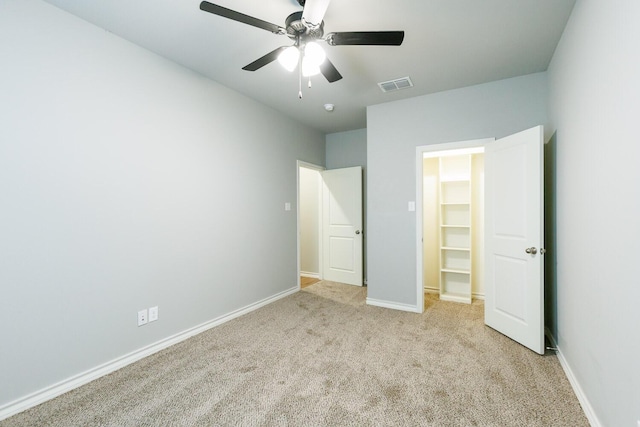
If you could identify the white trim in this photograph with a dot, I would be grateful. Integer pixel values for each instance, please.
(436, 291)
(419, 233)
(577, 389)
(48, 393)
(394, 305)
(310, 275)
(420, 151)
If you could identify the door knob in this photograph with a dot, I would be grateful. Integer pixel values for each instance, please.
(357, 231)
(532, 250)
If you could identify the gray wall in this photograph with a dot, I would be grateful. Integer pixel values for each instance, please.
(395, 130)
(594, 105)
(344, 150)
(126, 182)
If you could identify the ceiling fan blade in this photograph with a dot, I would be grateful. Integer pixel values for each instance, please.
(371, 38)
(267, 59)
(329, 71)
(241, 17)
(314, 11)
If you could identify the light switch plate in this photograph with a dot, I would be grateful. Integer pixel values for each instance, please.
(153, 314)
(412, 206)
(287, 206)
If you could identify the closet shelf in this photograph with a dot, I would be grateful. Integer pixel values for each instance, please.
(455, 179)
(455, 248)
(455, 270)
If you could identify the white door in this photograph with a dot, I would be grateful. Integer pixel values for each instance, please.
(514, 298)
(342, 225)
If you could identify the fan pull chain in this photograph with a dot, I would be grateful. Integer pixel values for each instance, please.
(300, 77)
(309, 82)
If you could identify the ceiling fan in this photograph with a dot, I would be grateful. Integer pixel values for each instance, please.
(305, 28)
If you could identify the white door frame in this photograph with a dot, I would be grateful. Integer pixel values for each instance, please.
(302, 164)
(420, 151)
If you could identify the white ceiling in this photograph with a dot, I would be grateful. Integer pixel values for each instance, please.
(448, 44)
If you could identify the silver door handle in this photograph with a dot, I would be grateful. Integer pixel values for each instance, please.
(532, 250)
(357, 231)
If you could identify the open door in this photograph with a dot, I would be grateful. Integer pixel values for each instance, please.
(514, 228)
(342, 225)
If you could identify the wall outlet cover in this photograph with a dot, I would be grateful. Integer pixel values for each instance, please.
(142, 317)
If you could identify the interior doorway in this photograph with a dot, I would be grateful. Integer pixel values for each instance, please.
(309, 223)
(329, 226)
(513, 231)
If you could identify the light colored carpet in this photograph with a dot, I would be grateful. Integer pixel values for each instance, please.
(323, 357)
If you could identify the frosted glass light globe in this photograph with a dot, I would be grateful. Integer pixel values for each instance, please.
(309, 68)
(315, 53)
(288, 58)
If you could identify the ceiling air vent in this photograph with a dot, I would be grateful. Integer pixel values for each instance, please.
(397, 84)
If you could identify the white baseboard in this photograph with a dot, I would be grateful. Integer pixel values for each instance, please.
(429, 290)
(48, 393)
(577, 389)
(393, 305)
(310, 275)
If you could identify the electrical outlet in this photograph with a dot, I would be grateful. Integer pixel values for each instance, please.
(142, 317)
(153, 314)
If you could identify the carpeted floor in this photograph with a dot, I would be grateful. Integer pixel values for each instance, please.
(323, 357)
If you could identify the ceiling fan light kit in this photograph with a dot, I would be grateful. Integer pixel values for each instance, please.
(305, 29)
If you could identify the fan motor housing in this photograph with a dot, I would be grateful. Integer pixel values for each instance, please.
(296, 28)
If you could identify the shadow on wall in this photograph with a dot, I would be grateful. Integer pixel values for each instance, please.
(550, 239)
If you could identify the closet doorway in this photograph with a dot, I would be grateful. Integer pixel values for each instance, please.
(480, 229)
(452, 224)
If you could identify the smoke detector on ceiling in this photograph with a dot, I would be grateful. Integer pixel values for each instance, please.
(397, 84)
